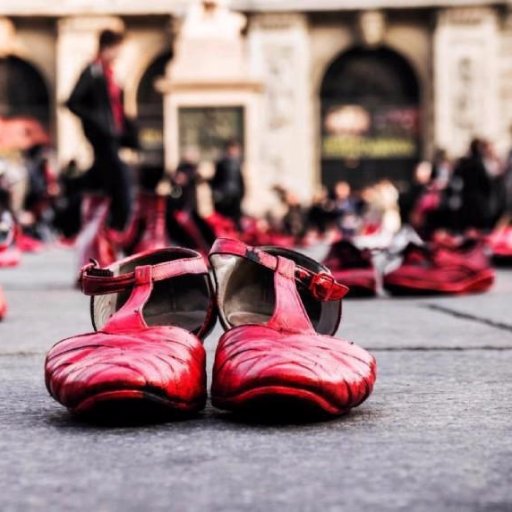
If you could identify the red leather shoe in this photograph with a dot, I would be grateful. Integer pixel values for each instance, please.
(9, 258)
(280, 310)
(27, 243)
(3, 305)
(441, 270)
(352, 267)
(94, 241)
(10, 255)
(150, 313)
(500, 242)
(147, 230)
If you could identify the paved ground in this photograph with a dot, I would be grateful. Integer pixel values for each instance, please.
(435, 436)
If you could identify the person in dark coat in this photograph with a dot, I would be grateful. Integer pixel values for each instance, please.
(228, 185)
(184, 223)
(185, 181)
(97, 100)
(476, 189)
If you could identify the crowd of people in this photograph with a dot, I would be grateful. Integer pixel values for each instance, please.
(456, 195)
(470, 193)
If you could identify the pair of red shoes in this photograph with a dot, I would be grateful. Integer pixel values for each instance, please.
(446, 267)
(151, 312)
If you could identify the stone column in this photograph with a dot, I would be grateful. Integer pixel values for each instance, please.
(505, 140)
(77, 43)
(210, 70)
(466, 74)
(7, 37)
(279, 54)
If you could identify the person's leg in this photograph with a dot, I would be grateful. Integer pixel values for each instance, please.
(175, 230)
(118, 183)
(235, 212)
(121, 197)
(204, 228)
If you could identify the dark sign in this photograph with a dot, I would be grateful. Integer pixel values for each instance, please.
(208, 129)
(359, 132)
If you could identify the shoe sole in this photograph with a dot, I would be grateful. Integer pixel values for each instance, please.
(278, 402)
(133, 404)
(478, 284)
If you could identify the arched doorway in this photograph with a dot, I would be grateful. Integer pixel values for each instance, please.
(23, 91)
(150, 108)
(370, 118)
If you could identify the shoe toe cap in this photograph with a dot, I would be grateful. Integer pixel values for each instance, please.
(341, 373)
(156, 360)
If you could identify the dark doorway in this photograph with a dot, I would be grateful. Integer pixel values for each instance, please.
(23, 91)
(370, 118)
(150, 107)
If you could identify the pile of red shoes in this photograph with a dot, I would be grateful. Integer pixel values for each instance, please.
(443, 267)
(151, 313)
(500, 242)
(353, 267)
(259, 232)
(147, 229)
(253, 231)
(446, 265)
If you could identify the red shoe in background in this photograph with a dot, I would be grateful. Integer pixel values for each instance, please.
(280, 310)
(500, 242)
(147, 230)
(27, 243)
(10, 255)
(442, 269)
(3, 305)
(222, 226)
(353, 267)
(94, 241)
(146, 357)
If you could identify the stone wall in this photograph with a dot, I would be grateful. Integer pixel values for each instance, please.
(280, 56)
(466, 77)
(505, 83)
(461, 55)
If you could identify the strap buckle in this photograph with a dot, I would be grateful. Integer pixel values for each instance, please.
(325, 288)
(93, 269)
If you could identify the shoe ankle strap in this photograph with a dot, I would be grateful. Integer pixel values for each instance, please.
(102, 281)
(321, 285)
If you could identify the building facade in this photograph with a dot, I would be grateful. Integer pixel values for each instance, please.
(317, 90)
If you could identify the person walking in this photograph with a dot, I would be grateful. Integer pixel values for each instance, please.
(97, 100)
(184, 223)
(227, 184)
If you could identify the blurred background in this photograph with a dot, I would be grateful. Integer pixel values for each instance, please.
(317, 92)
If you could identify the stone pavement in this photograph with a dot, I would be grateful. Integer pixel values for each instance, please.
(435, 436)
